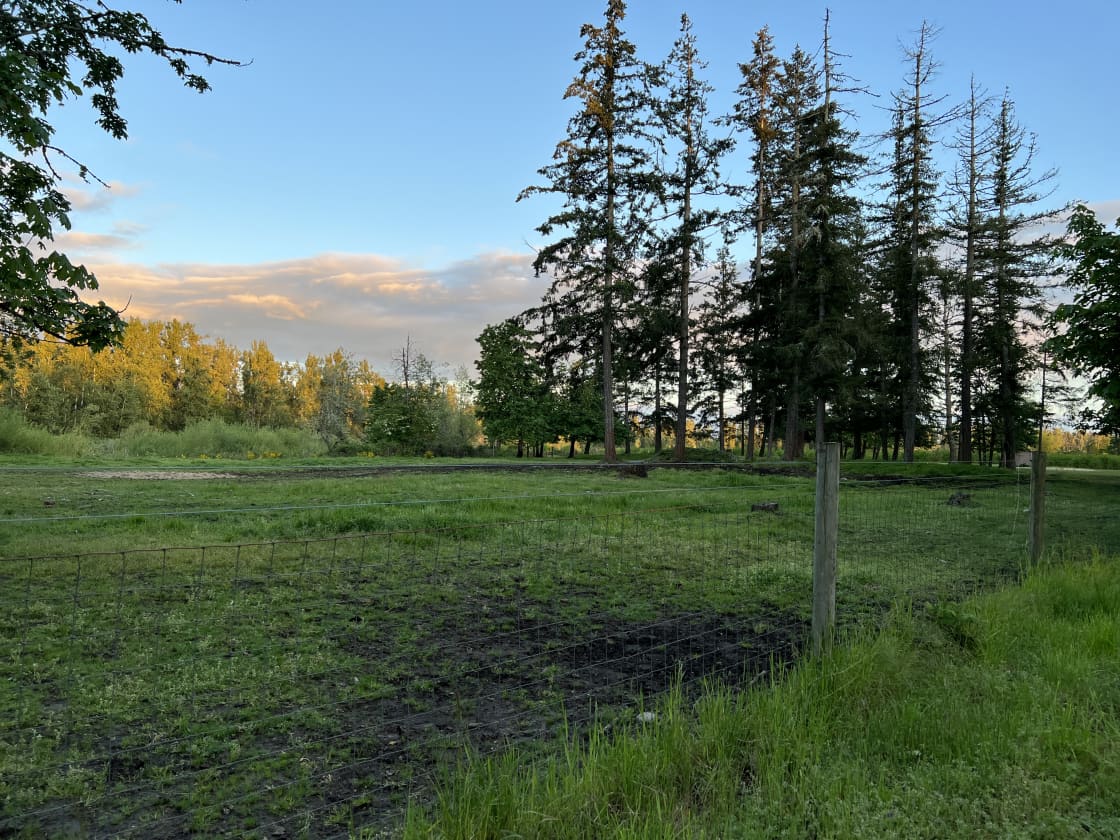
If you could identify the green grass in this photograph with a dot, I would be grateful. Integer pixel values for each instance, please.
(1077, 460)
(310, 643)
(201, 439)
(996, 718)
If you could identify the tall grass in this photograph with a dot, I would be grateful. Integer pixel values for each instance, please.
(997, 718)
(218, 439)
(206, 439)
(17, 437)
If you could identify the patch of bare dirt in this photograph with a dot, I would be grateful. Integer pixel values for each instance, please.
(159, 475)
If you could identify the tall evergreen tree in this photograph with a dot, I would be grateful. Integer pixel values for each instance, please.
(909, 263)
(682, 116)
(833, 237)
(797, 97)
(973, 146)
(754, 115)
(1013, 261)
(601, 170)
(719, 322)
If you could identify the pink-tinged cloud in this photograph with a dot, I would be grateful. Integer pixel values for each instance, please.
(90, 196)
(71, 242)
(273, 306)
(366, 303)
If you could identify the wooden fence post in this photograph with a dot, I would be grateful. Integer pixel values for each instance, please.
(1038, 506)
(824, 546)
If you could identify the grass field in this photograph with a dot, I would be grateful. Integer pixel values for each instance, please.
(297, 649)
(995, 717)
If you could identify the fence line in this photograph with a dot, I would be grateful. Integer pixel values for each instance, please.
(317, 685)
(178, 512)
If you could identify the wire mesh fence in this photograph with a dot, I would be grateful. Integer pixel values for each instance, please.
(317, 686)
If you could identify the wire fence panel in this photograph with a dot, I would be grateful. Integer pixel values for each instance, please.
(926, 540)
(312, 687)
(305, 687)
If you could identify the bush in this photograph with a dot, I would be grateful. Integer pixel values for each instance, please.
(17, 437)
(218, 439)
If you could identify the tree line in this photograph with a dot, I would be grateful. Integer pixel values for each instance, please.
(887, 304)
(166, 376)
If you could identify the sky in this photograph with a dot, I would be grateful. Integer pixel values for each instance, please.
(355, 183)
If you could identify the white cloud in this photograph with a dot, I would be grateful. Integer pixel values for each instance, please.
(1107, 211)
(365, 303)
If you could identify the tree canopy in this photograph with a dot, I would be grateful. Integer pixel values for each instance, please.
(53, 51)
(1090, 344)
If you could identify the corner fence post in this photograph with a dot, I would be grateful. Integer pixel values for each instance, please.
(824, 546)
(1038, 506)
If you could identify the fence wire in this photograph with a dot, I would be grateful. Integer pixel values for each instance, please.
(305, 687)
(317, 687)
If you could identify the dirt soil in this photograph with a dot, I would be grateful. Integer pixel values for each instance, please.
(465, 687)
(531, 686)
(159, 475)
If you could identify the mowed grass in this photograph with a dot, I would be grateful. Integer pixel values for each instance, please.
(300, 649)
(997, 717)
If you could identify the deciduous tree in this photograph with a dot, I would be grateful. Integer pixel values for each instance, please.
(1090, 341)
(52, 52)
(511, 398)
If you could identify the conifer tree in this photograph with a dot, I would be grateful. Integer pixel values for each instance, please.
(909, 265)
(973, 145)
(1013, 261)
(719, 321)
(682, 117)
(601, 170)
(754, 115)
(797, 96)
(833, 237)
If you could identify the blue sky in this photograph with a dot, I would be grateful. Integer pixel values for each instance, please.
(356, 183)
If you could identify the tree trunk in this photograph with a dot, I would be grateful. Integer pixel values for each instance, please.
(626, 414)
(792, 450)
(721, 422)
(967, 315)
(771, 427)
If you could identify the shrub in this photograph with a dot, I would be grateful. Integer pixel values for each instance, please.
(17, 437)
(218, 439)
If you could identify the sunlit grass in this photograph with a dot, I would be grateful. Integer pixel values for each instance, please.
(905, 733)
(189, 663)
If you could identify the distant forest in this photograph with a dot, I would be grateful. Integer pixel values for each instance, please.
(165, 376)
